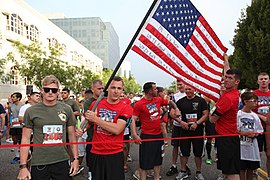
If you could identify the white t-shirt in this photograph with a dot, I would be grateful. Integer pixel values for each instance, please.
(23, 109)
(178, 96)
(249, 122)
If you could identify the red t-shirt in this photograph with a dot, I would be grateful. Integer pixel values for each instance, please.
(148, 111)
(263, 103)
(227, 108)
(111, 113)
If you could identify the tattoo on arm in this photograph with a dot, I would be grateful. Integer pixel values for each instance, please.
(172, 105)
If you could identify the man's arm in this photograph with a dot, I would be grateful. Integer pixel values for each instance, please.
(115, 128)
(134, 130)
(2, 116)
(201, 120)
(213, 118)
(74, 147)
(26, 135)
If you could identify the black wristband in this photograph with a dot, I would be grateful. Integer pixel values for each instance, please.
(23, 166)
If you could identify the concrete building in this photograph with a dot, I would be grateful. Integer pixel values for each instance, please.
(96, 35)
(20, 22)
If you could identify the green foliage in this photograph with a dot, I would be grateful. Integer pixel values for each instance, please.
(36, 63)
(252, 42)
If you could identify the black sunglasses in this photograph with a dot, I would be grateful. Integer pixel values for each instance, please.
(54, 90)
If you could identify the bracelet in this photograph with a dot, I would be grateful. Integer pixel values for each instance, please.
(23, 166)
(75, 159)
(1, 131)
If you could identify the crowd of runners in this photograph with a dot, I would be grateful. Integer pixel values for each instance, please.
(52, 116)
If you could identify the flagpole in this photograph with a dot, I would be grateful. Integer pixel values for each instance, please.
(121, 60)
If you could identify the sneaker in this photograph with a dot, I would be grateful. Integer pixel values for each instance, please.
(181, 176)
(129, 159)
(89, 175)
(199, 176)
(221, 177)
(136, 175)
(81, 168)
(209, 161)
(15, 160)
(172, 171)
(9, 140)
(188, 170)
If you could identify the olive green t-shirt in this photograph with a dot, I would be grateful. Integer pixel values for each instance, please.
(73, 104)
(49, 125)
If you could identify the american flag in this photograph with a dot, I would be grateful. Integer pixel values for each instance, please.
(177, 39)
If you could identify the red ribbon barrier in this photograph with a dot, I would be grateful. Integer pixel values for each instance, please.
(111, 142)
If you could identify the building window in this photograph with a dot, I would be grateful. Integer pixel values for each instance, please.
(15, 23)
(32, 33)
(52, 42)
(15, 75)
(64, 50)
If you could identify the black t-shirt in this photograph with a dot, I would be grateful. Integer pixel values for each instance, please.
(192, 109)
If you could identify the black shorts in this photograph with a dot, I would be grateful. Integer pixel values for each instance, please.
(228, 153)
(209, 128)
(151, 152)
(15, 132)
(58, 170)
(249, 165)
(126, 137)
(107, 166)
(262, 142)
(175, 134)
(88, 153)
(197, 143)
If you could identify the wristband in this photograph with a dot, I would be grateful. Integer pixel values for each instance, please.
(1, 131)
(23, 166)
(75, 159)
(197, 123)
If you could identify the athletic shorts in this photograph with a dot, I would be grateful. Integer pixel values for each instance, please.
(262, 142)
(151, 152)
(175, 134)
(81, 147)
(228, 153)
(249, 165)
(58, 170)
(197, 143)
(15, 132)
(107, 166)
(209, 128)
(126, 137)
(88, 153)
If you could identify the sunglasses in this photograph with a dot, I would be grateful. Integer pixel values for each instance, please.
(54, 90)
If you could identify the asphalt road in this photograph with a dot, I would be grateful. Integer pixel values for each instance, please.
(10, 171)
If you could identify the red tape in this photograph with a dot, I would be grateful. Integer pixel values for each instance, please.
(124, 141)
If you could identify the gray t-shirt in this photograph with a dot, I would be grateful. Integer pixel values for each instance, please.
(249, 122)
(15, 114)
(49, 125)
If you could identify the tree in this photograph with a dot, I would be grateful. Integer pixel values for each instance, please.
(130, 85)
(252, 42)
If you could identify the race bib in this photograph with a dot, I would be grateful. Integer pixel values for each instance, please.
(191, 118)
(52, 134)
(15, 122)
(244, 140)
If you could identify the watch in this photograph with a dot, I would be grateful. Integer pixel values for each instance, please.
(23, 166)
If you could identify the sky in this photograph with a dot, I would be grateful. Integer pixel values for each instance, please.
(126, 16)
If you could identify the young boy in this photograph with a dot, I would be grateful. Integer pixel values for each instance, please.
(249, 125)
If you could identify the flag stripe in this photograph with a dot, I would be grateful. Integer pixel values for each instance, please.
(200, 46)
(213, 49)
(201, 72)
(209, 93)
(195, 78)
(212, 34)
